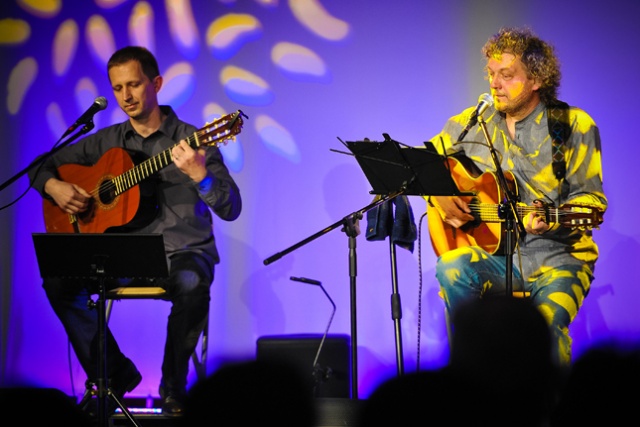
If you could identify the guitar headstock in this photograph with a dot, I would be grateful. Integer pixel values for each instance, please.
(221, 130)
(580, 216)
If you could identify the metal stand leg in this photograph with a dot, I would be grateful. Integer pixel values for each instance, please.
(103, 391)
(352, 230)
(396, 308)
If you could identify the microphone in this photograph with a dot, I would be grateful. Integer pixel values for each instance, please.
(99, 104)
(484, 101)
(305, 280)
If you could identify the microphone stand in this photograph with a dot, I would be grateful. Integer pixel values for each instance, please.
(84, 130)
(350, 226)
(506, 210)
(320, 375)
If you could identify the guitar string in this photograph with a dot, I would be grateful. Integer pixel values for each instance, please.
(489, 211)
(163, 159)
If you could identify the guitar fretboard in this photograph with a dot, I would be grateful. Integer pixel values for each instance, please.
(142, 171)
(221, 130)
(572, 216)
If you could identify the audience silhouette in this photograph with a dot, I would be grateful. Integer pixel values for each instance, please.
(251, 393)
(41, 407)
(413, 399)
(501, 356)
(500, 373)
(601, 388)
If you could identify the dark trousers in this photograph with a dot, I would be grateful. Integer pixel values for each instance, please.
(188, 288)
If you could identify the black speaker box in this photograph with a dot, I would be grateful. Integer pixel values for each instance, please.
(332, 374)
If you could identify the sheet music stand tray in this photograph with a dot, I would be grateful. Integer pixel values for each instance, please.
(391, 167)
(97, 257)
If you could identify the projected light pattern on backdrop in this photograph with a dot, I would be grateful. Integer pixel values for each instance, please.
(306, 72)
(225, 36)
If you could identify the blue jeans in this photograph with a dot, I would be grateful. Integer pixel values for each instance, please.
(188, 286)
(470, 273)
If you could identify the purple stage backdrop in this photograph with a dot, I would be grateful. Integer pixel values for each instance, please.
(308, 73)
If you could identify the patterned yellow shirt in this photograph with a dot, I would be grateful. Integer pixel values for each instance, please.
(528, 157)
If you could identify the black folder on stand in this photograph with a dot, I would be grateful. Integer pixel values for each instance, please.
(390, 167)
(121, 255)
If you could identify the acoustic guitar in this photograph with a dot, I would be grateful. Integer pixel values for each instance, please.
(118, 201)
(488, 230)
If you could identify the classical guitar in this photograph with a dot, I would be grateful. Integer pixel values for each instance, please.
(488, 229)
(113, 182)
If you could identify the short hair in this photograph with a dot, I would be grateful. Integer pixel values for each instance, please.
(538, 57)
(136, 53)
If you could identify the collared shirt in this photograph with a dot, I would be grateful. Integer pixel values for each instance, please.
(528, 157)
(181, 209)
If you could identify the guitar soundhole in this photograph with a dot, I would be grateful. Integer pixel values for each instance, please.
(107, 192)
(471, 225)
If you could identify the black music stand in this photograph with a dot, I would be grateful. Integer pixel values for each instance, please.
(391, 166)
(393, 169)
(97, 257)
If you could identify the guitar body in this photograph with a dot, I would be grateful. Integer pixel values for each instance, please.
(488, 235)
(107, 211)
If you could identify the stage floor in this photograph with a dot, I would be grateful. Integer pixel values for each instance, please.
(332, 412)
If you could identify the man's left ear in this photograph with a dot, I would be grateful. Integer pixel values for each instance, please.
(157, 83)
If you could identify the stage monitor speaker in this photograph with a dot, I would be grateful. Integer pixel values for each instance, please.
(330, 377)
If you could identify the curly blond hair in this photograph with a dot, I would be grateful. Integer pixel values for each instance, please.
(538, 57)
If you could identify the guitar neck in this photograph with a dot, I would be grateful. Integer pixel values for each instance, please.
(142, 171)
(567, 215)
(490, 212)
(212, 134)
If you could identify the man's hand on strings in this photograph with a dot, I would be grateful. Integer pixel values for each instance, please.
(190, 162)
(71, 198)
(534, 222)
(454, 210)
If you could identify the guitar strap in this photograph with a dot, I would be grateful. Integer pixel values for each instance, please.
(559, 130)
